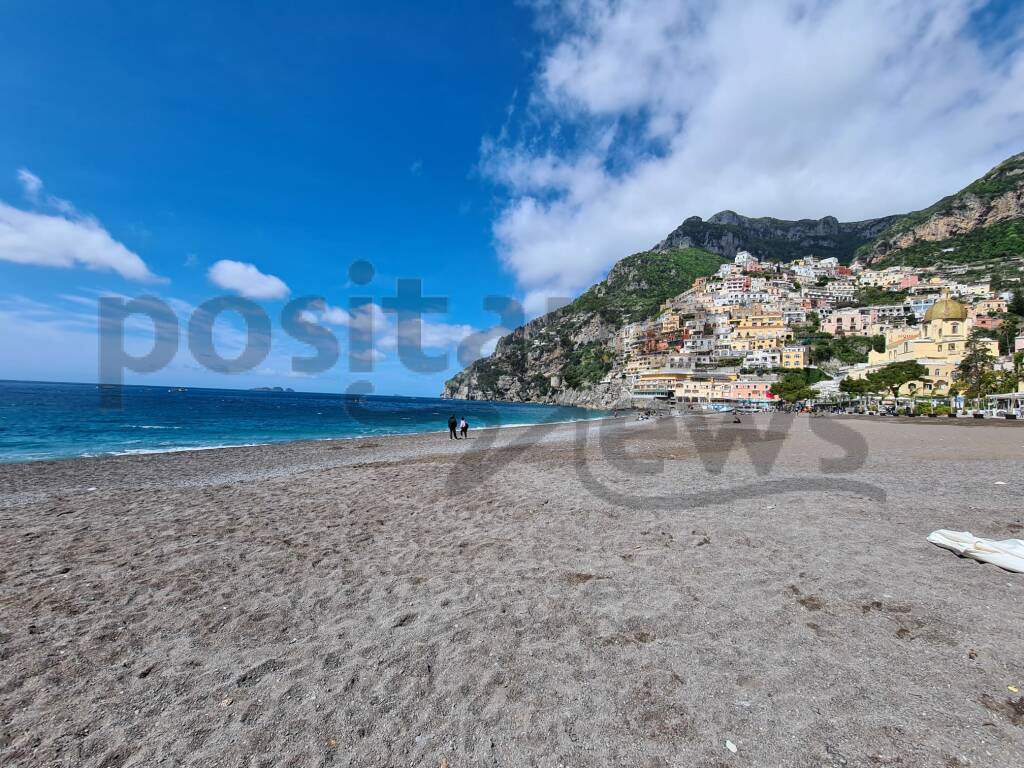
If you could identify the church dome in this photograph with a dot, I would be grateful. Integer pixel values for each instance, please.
(946, 309)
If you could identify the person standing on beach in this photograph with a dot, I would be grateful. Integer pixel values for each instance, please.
(464, 428)
(452, 424)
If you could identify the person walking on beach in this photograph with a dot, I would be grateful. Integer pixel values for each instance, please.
(452, 424)
(464, 428)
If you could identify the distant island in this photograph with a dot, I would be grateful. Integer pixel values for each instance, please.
(271, 389)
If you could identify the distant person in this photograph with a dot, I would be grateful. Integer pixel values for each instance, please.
(464, 428)
(452, 424)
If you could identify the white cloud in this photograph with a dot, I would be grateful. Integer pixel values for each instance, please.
(322, 312)
(432, 335)
(246, 280)
(335, 316)
(30, 183)
(28, 237)
(370, 355)
(660, 109)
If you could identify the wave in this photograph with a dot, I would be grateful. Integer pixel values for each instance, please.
(182, 448)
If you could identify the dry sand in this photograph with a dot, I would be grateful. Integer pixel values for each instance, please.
(532, 597)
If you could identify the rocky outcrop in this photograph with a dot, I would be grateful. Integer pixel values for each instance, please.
(995, 198)
(565, 356)
(528, 365)
(727, 233)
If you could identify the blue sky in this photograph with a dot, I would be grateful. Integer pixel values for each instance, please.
(515, 149)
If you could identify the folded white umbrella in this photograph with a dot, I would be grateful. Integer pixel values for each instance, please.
(1008, 554)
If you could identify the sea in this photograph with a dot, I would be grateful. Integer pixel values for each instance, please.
(41, 421)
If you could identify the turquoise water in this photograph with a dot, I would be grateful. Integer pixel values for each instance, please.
(48, 421)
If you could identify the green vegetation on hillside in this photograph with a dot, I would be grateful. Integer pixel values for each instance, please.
(638, 285)
(825, 347)
(587, 365)
(1004, 240)
(1005, 177)
(998, 181)
(873, 296)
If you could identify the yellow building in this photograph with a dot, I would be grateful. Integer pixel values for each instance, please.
(670, 322)
(643, 363)
(704, 387)
(686, 386)
(795, 357)
(939, 344)
(766, 330)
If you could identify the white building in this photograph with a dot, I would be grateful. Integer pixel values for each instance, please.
(745, 260)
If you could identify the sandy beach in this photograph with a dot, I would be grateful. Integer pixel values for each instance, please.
(611, 594)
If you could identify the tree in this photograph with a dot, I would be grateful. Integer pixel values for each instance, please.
(793, 387)
(1016, 305)
(1007, 333)
(895, 375)
(973, 372)
(856, 387)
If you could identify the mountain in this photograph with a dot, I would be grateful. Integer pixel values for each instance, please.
(562, 357)
(983, 222)
(727, 232)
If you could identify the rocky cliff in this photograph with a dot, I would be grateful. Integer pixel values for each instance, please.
(727, 232)
(983, 221)
(563, 356)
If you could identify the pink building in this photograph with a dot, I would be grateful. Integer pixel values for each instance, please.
(988, 323)
(908, 282)
(846, 322)
(751, 390)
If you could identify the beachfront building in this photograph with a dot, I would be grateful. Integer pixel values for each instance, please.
(700, 386)
(752, 391)
(939, 344)
(704, 387)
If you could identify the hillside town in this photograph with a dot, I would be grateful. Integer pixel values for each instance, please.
(759, 335)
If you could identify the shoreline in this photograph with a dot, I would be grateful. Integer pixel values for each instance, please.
(301, 440)
(623, 416)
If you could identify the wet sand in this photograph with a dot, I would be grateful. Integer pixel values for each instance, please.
(530, 597)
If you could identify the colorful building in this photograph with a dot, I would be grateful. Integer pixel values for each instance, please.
(939, 344)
